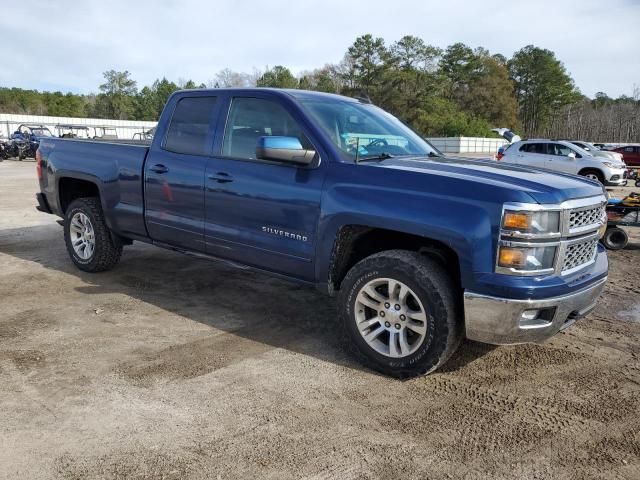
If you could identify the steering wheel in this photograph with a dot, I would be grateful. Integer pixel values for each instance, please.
(378, 141)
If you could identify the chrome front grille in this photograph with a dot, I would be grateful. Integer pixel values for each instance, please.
(574, 242)
(578, 254)
(584, 217)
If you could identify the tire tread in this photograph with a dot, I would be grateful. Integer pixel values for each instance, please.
(107, 251)
(432, 274)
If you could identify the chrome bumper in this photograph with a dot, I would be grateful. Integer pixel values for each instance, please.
(502, 321)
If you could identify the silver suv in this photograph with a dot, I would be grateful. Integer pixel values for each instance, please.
(566, 157)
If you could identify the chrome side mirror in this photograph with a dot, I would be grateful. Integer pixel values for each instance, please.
(284, 149)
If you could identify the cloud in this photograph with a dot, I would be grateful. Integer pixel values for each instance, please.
(66, 45)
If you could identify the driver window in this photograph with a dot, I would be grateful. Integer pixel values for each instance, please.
(252, 118)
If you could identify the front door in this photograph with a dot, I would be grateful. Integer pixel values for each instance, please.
(175, 172)
(262, 213)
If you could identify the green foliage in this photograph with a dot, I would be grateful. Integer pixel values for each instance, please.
(117, 97)
(542, 87)
(151, 100)
(366, 60)
(278, 77)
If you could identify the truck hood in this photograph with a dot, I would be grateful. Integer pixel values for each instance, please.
(543, 186)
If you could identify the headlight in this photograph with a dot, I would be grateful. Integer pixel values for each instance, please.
(544, 223)
(526, 259)
(528, 250)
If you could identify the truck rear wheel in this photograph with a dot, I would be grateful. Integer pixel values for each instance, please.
(401, 313)
(89, 242)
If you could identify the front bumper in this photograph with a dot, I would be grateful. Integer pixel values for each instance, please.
(616, 178)
(502, 321)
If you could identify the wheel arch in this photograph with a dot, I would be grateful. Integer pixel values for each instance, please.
(595, 170)
(70, 188)
(356, 242)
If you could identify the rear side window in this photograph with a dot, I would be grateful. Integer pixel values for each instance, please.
(628, 149)
(533, 148)
(188, 131)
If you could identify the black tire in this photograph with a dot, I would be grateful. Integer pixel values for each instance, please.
(107, 250)
(597, 173)
(638, 183)
(615, 238)
(434, 288)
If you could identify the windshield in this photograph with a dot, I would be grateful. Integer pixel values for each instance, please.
(41, 132)
(367, 129)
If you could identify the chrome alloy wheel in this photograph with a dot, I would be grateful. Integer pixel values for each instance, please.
(592, 176)
(390, 317)
(83, 239)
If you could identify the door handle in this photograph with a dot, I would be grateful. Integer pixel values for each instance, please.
(220, 177)
(159, 168)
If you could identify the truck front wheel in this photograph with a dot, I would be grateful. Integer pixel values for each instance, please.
(89, 242)
(401, 312)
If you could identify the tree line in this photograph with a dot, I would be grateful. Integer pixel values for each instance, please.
(439, 92)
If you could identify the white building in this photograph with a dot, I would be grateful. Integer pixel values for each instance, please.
(467, 144)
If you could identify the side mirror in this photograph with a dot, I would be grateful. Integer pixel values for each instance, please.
(571, 156)
(284, 149)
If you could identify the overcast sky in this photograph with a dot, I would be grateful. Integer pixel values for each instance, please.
(66, 45)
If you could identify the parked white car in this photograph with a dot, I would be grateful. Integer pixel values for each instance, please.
(566, 157)
(596, 152)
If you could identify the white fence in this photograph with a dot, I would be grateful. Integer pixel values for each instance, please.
(9, 123)
(467, 144)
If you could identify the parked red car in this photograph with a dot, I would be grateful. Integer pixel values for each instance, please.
(630, 155)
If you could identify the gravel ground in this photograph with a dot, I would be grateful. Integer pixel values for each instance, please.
(172, 367)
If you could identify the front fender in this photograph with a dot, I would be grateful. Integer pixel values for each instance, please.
(463, 225)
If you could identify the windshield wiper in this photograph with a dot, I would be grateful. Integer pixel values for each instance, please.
(380, 156)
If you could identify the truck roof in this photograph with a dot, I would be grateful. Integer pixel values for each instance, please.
(292, 92)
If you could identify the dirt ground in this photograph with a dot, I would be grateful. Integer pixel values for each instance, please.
(171, 367)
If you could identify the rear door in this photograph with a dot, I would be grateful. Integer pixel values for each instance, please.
(533, 154)
(258, 212)
(175, 171)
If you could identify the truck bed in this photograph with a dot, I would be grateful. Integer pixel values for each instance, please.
(115, 166)
(117, 141)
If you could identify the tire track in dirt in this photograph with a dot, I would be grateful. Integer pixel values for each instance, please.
(537, 413)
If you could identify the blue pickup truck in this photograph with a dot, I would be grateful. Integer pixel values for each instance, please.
(421, 250)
